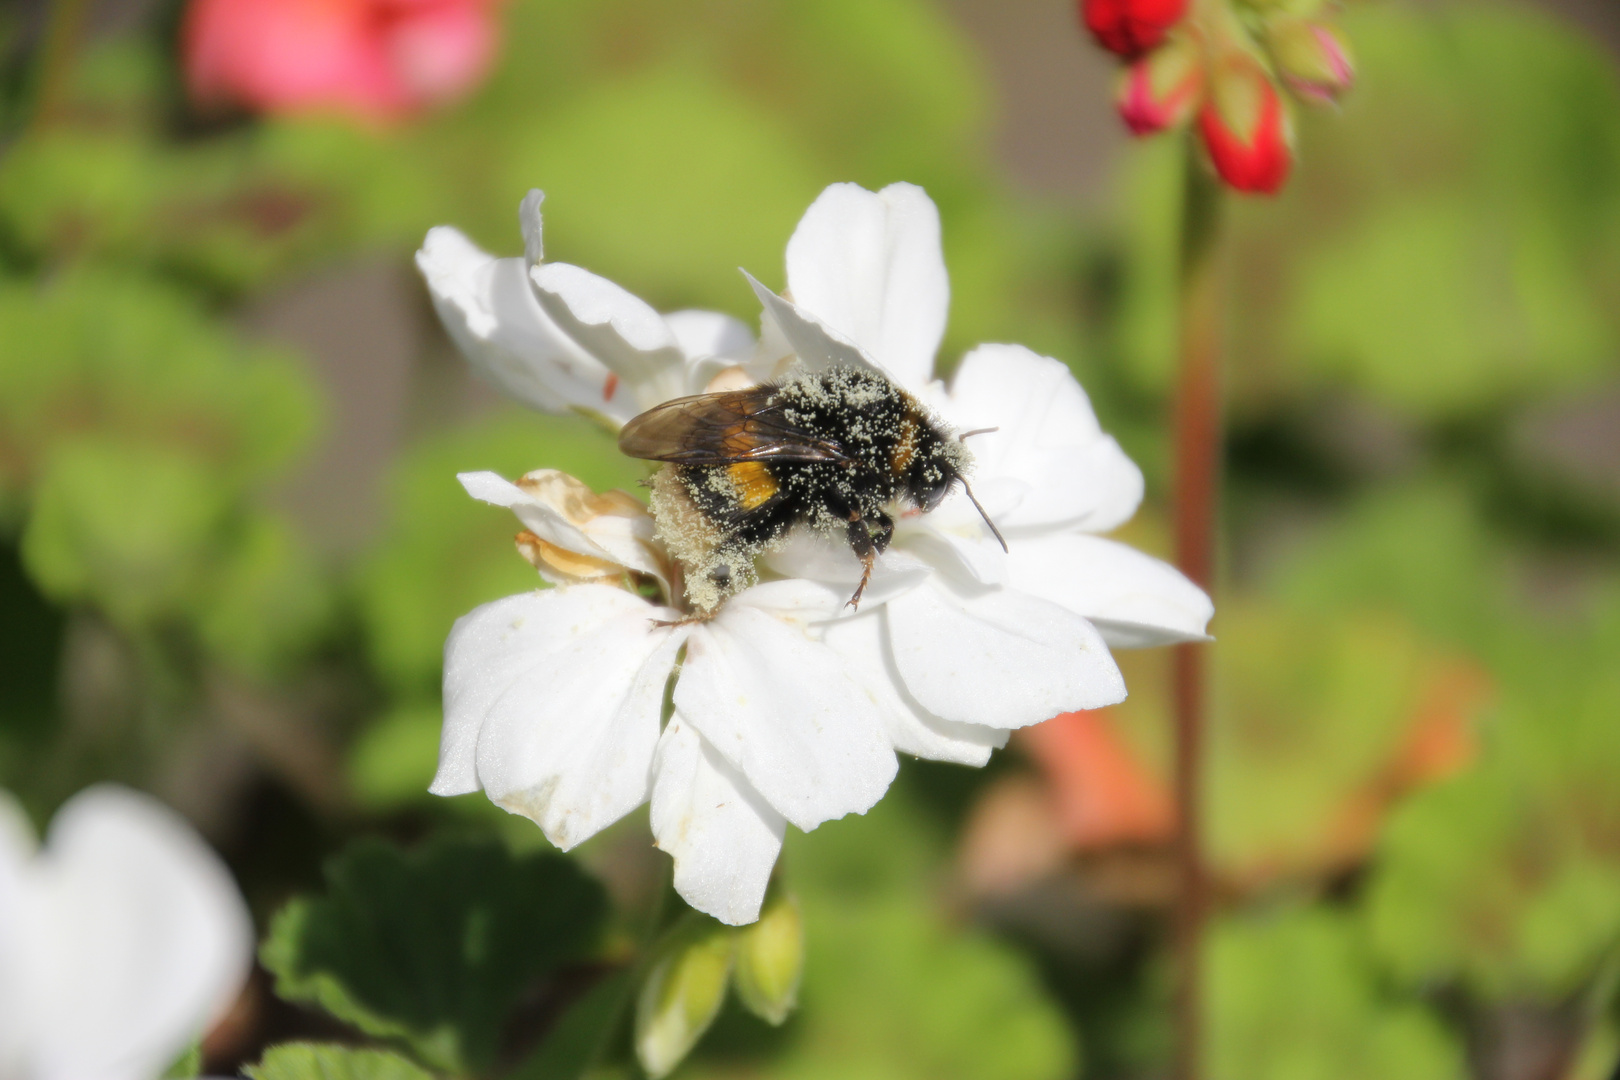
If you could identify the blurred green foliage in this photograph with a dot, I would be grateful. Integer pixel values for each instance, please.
(1452, 239)
(894, 987)
(1295, 996)
(310, 1061)
(434, 948)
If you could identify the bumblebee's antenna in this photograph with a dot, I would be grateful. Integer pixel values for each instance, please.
(976, 431)
(999, 538)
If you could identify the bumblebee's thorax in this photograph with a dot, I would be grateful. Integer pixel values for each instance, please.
(897, 449)
(838, 450)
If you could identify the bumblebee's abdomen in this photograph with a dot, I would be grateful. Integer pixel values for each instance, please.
(754, 484)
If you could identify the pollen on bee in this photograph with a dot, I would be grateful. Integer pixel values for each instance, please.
(754, 483)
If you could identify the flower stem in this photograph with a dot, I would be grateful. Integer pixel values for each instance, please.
(63, 30)
(1197, 474)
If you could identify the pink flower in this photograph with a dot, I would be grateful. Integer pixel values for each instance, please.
(378, 60)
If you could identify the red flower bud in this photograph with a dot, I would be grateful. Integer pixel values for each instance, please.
(1162, 89)
(1130, 27)
(1246, 128)
(1312, 57)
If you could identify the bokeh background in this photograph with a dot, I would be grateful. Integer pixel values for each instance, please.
(231, 541)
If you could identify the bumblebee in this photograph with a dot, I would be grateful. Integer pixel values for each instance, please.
(839, 450)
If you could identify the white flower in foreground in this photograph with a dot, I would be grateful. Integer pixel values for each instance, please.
(121, 940)
(971, 634)
(560, 338)
(553, 701)
(788, 707)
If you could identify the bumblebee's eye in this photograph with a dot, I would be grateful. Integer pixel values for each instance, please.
(930, 495)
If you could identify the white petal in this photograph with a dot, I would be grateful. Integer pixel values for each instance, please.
(146, 936)
(546, 522)
(561, 690)
(967, 552)
(862, 643)
(625, 539)
(869, 265)
(1134, 599)
(534, 248)
(817, 347)
(777, 704)
(16, 997)
(1003, 658)
(490, 312)
(807, 554)
(616, 327)
(723, 835)
(1047, 437)
(702, 334)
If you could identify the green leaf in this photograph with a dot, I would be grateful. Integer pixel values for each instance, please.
(1293, 997)
(581, 1035)
(313, 1061)
(187, 1065)
(1506, 881)
(135, 361)
(393, 760)
(433, 947)
(129, 528)
(269, 600)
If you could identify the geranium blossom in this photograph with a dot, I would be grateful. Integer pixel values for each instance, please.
(120, 940)
(788, 707)
(375, 59)
(553, 701)
(558, 338)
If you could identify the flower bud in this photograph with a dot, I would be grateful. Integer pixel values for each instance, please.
(1246, 127)
(1130, 27)
(1162, 89)
(1312, 57)
(682, 995)
(770, 960)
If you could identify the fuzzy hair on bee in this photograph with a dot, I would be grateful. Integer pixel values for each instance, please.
(839, 450)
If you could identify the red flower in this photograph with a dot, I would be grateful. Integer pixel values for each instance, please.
(376, 59)
(1162, 89)
(1130, 27)
(1246, 128)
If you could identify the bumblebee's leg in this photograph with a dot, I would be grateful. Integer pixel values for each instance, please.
(867, 543)
(881, 526)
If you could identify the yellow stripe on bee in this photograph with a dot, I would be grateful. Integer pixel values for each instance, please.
(905, 449)
(754, 483)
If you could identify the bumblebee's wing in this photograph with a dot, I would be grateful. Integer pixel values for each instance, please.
(719, 429)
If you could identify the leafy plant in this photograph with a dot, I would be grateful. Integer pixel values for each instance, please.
(433, 948)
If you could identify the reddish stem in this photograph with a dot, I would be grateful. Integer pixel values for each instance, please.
(1197, 475)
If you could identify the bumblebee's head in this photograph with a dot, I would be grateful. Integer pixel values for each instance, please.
(945, 463)
(929, 486)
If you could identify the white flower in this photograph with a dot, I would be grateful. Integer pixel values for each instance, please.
(972, 635)
(560, 338)
(121, 939)
(553, 700)
(787, 708)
